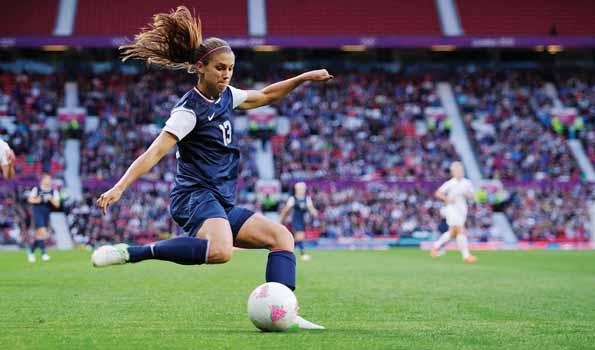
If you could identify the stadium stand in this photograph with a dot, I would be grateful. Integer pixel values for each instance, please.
(336, 17)
(94, 18)
(529, 17)
(30, 17)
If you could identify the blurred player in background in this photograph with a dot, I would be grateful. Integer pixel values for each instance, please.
(455, 193)
(200, 125)
(43, 199)
(300, 204)
(7, 159)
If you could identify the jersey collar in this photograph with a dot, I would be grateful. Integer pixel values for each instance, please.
(206, 98)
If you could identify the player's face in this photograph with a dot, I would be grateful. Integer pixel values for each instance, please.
(300, 188)
(46, 182)
(457, 170)
(219, 70)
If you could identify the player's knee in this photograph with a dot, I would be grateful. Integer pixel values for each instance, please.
(282, 239)
(220, 253)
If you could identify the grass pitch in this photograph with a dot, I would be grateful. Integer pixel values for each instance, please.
(397, 299)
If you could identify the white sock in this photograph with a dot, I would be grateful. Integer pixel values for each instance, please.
(463, 245)
(444, 238)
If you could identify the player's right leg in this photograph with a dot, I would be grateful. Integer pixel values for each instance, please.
(210, 239)
(463, 243)
(299, 244)
(213, 244)
(41, 236)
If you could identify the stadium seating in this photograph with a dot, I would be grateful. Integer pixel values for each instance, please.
(352, 17)
(379, 128)
(529, 17)
(503, 115)
(30, 17)
(105, 17)
(335, 134)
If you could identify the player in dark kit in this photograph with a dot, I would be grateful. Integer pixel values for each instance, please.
(203, 198)
(42, 199)
(300, 204)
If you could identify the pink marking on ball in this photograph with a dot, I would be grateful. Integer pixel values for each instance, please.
(277, 313)
(263, 292)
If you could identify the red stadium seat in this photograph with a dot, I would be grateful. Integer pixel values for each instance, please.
(350, 17)
(105, 17)
(528, 17)
(28, 17)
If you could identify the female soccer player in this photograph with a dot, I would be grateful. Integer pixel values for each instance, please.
(43, 199)
(202, 201)
(300, 203)
(455, 193)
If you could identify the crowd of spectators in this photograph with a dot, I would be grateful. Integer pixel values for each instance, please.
(577, 90)
(552, 213)
(361, 126)
(27, 101)
(141, 215)
(365, 126)
(382, 211)
(505, 112)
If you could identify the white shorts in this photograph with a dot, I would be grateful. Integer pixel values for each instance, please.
(454, 216)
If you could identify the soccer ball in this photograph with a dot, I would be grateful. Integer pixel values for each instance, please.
(272, 307)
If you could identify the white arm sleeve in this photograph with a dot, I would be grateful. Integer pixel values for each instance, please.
(4, 152)
(238, 96)
(290, 202)
(33, 192)
(181, 122)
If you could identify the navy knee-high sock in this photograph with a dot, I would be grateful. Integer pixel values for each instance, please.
(281, 268)
(41, 245)
(180, 250)
(300, 246)
(33, 247)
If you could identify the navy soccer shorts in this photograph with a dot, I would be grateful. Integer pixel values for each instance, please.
(298, 226)
(41, 217)
(191, 209)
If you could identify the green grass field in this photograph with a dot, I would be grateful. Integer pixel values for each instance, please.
(397, 299)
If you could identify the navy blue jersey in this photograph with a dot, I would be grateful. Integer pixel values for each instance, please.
(300, 208)
(208, 156)
(45, 207)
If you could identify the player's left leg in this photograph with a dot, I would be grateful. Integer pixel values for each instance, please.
(41, 234)
(257, 231)
(463, 243)
(299, 244)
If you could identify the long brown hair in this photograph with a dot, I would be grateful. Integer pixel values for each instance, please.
(173, 41)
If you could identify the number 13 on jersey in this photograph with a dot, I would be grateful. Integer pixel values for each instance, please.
(226, 131)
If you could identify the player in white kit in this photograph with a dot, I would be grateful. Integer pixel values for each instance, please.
(7, 159)
(455, 193)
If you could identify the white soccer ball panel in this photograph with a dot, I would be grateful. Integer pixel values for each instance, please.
(272, 307)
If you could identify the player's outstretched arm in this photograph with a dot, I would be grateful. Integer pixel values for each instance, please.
(277, 91)
(159, 148)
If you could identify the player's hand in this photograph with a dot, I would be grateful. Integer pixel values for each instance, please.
(318, 75)
(109, 197)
